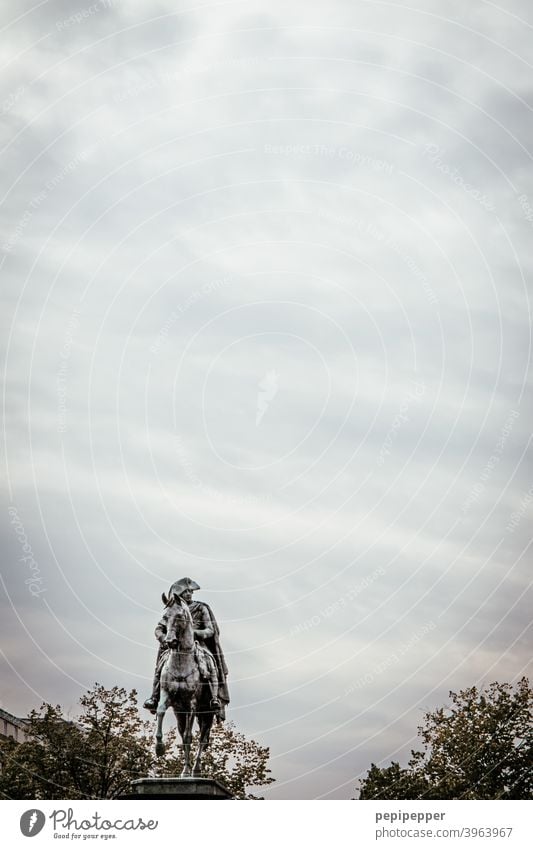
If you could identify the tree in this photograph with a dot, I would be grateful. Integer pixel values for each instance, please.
(108, 745)
(94, 757)
(234, 760)
(480, 747)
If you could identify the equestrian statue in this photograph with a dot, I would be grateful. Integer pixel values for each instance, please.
(190, 674)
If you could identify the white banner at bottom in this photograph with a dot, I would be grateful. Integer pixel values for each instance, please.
(273, 824)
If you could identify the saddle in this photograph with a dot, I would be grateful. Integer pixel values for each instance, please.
(201, 660)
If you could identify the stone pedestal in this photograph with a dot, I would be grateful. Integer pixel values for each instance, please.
(177, 788)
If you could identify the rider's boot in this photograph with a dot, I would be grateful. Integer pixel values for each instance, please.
(152, 703)
(213, 686)
(212, 673)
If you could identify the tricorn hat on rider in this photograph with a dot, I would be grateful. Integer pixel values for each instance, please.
(179, 587)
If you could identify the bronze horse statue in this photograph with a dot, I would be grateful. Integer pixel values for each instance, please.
(183, 689)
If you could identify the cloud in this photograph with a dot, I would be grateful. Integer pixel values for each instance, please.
(198, 200)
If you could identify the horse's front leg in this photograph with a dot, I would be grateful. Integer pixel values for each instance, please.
(164, 701)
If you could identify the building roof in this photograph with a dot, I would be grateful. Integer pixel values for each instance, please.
(15, 720)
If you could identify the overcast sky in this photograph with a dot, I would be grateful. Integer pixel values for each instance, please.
(266, 323)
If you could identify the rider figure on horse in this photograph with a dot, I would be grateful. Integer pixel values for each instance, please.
(209, 653)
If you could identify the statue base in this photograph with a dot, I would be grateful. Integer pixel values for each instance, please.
(177, 788)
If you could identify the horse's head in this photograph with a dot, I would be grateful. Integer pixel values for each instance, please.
(180, 620)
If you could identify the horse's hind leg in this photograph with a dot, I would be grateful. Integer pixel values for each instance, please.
(205, 721)
(205, 717)
(164, 701)
(184, 720)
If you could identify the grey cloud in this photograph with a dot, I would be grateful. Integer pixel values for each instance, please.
(192, 174)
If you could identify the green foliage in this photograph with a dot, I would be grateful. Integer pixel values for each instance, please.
(231, 758)
(119, 744)
(93, 757)
(109, 745)
(481, 747)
